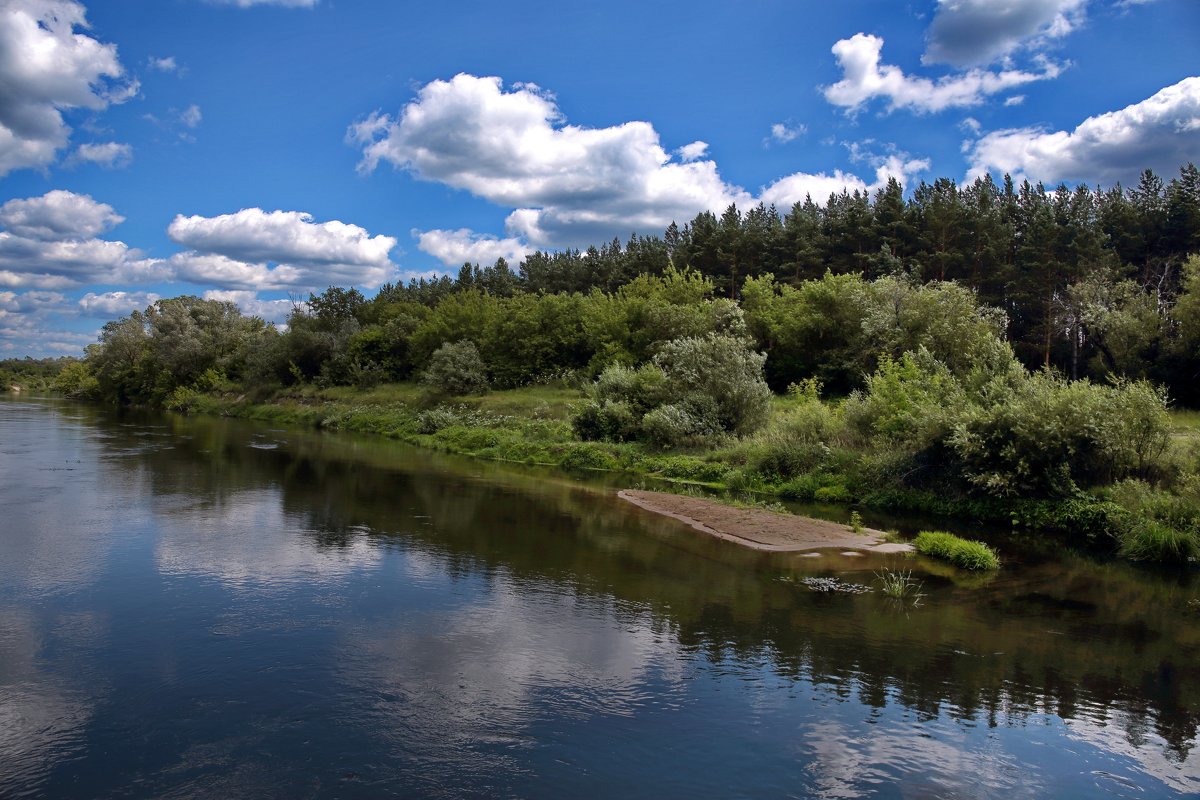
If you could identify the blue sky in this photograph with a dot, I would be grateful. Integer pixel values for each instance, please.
(256, 150)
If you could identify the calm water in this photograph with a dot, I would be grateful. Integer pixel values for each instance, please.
(204, 608)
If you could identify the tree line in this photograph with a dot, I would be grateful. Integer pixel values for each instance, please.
(1093, 283)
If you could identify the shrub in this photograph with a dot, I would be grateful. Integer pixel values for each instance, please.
(673, 424)
(832, 494)
(605, 420)
(1048, 436)
(456, 369)
(721, 371)
(589, 456)
(962, 553)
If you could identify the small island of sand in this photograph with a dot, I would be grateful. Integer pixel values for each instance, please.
(759, 529)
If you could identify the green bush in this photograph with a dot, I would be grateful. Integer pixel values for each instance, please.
(959, 552)
(720, 375)
(456, 369)
(835, 493)
(605, 420)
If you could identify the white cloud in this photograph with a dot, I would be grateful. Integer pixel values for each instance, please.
(166, 64)
(235, 251)
(975, 32)
(454, 248)
(48, 65)
(28, 324)
(1015, 100)
(275, 311)
(58, 215)
(110, 305)
(782, 133)
(865, 79)
(28, 302)
(1161, 133)
(786, 191)
(693, 152)
(568, 184)
(110, 155)
(49, 242)
(191, 116)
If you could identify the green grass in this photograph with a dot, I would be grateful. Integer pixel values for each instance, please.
(960, 552)
(1150, 540)
(899, 584)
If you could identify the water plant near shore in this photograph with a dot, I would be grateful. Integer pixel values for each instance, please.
(963, 553)
(899, 584)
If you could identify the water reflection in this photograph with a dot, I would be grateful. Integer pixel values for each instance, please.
(290, 614)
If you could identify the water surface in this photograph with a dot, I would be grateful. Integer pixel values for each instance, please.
(211, 608)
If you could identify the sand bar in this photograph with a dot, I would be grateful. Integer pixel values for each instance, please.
(760, 529)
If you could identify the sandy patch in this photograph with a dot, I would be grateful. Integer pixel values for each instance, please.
(760, 529)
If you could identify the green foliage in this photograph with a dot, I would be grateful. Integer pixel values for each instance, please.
(1050, 436)
(1151, 540)
(962, 553)
(856, 522)
(456, 369)
(899, 585)
(694, 389)
(718, 375)
(76, 380)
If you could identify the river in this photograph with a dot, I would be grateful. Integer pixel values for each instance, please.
(196, 607)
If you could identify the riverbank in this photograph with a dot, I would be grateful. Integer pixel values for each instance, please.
(532, 425)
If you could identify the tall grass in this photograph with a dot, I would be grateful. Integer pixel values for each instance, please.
(962, 553)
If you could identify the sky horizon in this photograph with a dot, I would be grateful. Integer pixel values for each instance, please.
(257, 150)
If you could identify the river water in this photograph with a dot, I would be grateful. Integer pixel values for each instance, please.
(213, 608)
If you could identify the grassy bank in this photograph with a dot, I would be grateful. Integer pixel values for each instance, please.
(532, 425)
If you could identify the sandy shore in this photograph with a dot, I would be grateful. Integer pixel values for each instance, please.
(760, 529)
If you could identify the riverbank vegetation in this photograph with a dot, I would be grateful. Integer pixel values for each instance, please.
(996, 352)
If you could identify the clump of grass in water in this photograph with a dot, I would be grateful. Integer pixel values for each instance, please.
(899, 584)
(1150, 540)
(959, 552)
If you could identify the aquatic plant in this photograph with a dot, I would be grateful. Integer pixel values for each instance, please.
(834, 585)
(856, 522)
(960, 552)
(899, 584)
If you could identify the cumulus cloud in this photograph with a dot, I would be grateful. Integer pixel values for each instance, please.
(50, 242)
(166, 64)
(784, 192)
(110, 155)
(865, 79)
(114, 304)
(48, 65)
(693, 152)
(1161, 132)
(968, 33)
(28, 324)
(568, 184)
(58, 215)
(454, 248)
(275, 311)
(238, 251)
(782, 132)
